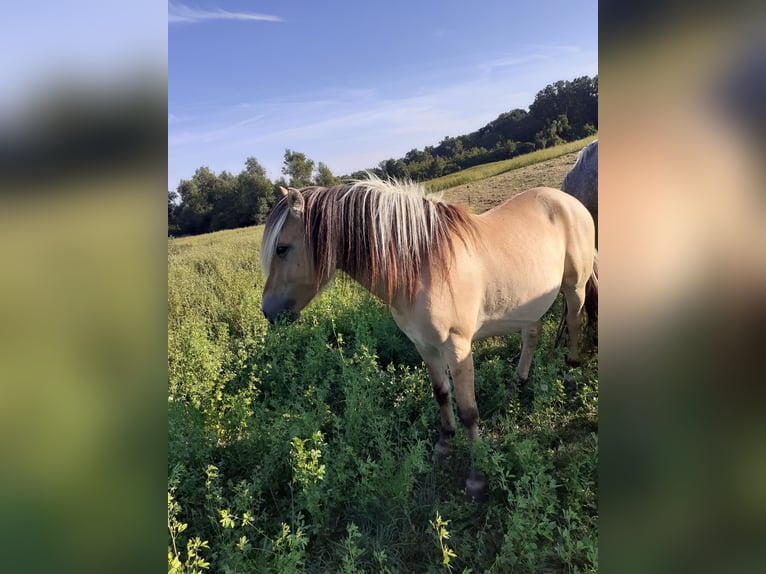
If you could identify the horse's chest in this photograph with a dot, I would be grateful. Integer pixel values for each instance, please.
(410, 327)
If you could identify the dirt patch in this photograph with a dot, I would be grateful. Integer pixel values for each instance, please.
(487, 193)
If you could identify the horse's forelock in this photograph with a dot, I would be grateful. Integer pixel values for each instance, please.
(274, 223)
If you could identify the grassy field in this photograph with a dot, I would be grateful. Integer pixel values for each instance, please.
(308, 447)
(486, 170)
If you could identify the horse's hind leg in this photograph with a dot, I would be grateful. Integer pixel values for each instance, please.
(437, 369)
(529, 338)
(575, 298)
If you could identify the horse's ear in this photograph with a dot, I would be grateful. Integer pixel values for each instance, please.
(283, 190)
(295, 201)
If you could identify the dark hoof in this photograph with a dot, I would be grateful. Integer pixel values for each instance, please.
(442, 451)
(572, 362)
(512, 391)
(475, 487)
(527, 397)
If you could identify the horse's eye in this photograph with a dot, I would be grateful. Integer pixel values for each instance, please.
(282, 251)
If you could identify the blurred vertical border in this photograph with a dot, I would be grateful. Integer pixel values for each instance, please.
(83, 164)
(683, 286)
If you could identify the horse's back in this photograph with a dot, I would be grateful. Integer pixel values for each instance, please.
(537, 212)
(541, 229)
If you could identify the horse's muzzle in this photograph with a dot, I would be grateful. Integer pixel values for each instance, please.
(276, 306)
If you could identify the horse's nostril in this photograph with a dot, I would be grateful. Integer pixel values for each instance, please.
(274, 307)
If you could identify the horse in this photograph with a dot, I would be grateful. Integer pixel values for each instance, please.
(582, 180)
(448, 277)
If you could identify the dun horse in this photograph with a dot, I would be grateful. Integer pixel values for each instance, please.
(449, 277)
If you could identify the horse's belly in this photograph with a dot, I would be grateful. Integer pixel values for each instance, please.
(496, 328)
(499, 317)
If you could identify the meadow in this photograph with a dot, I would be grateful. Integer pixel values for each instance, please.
(487, 170)
(308, 447)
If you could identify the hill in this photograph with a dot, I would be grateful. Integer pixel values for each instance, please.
(484, 194)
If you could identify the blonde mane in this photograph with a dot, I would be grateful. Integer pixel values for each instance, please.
(379, 232)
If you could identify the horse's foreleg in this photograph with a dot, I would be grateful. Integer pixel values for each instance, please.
(437, 369)
(529, 338)
(460, 361)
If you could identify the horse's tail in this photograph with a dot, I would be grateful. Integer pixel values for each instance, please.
(591, 298)
(590, 306)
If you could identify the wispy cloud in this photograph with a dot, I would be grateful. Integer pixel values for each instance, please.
(180, 13)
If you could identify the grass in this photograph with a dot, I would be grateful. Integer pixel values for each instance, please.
(308, 447)
(486, 170)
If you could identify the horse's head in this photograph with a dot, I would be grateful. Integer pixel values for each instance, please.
(291, 282)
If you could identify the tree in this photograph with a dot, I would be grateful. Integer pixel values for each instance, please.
(193, 215)
(324, 177)
(437, 167)
(450, 148)
(358, 174)
(225, 202)
(393, 168)
(211, 202)
(253, 167)
(577, 100)
(298, 168)
(256, 193)
(172, 212)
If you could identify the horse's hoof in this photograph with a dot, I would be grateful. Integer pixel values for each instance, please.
(441, 450)
(527, 397)
(512, 390)
(572, 362)
(475, 487)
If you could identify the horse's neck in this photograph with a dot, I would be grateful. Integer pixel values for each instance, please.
(365, 279)
(379, 289)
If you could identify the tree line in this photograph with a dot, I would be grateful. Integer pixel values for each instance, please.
(209, 202)
(561, 112)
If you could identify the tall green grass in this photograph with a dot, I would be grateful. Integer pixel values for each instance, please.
(486, 170)
(308, 447)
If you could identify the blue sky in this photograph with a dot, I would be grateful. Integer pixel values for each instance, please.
(351, 83)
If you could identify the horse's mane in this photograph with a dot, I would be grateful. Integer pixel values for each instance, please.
(382, 233)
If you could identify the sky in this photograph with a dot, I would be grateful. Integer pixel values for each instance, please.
(353, 83)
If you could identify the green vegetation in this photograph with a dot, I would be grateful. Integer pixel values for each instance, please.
(496, 168)
(308, 447)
